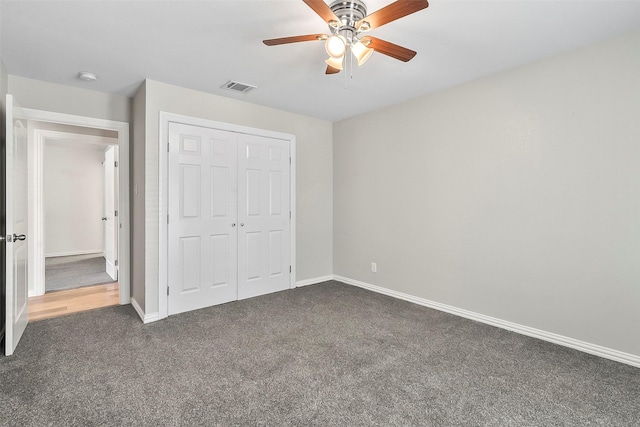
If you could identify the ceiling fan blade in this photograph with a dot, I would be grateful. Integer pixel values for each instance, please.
(331, 70)
(393, 11)
(322, 9)
(295, 39)
(389, 49)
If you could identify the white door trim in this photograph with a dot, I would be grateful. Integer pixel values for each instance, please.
(37, 138)
(124, 262)
(163, 172)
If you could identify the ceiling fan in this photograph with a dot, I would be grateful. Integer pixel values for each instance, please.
(347, 21)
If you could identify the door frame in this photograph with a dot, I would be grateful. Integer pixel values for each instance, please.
(37, 140)
(163, 184)
(36, 196)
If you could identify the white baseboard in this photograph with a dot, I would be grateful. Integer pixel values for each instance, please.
(607, 353)
(146, 318)
(72, 253)
(315, 280)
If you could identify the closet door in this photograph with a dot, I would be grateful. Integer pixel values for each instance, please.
(202, 229)
(263, 216)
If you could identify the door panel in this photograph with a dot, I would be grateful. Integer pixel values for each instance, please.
(220, 250)
(17, 314)
(190, 191)
(263, 254)
(190, 264)
(275, 253)
(202, 236)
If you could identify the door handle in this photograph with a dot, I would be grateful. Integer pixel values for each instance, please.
(242, 224)
(233, 225)
(19, 237)
(104, 218)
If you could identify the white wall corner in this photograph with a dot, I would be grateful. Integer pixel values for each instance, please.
(146, 318)
(313, 281)
(597, 350)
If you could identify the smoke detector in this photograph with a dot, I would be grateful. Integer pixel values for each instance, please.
(238, 87)
(87, 76)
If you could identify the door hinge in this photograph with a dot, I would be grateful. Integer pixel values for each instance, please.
(116, 263)
(167, 147)
(115, 213)
(167, 218)
(289, 160)
(167, 290)
(289, 269)
(115, 164)
(289, 214)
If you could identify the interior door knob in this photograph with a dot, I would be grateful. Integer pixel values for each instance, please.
(242, 224)
(233, 225)
(18, 237)
(104, 218)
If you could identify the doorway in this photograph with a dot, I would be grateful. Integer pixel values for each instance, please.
(79, 205)
(78, 212)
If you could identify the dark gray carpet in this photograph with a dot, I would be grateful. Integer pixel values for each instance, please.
(326, 355)
(76, 274)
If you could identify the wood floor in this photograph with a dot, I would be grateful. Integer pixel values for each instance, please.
(59, 303)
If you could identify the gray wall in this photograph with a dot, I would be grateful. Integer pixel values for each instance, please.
(39, 95)
(314, 173)
(74, 197)
(515, 196)
(80, 130)
(4, 84)
(137, 198)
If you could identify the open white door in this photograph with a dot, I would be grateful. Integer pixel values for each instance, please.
(16, 219)
(110, 218)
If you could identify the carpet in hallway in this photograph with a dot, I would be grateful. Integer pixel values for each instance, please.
(72, 272)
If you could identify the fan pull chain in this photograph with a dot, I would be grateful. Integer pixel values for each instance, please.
(351, 62)
(346, 65)
(346, 81)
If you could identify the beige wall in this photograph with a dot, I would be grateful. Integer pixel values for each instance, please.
(515, 196)
(46, 96)
(314, 173)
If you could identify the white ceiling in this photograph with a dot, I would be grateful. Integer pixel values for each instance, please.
(202, 44)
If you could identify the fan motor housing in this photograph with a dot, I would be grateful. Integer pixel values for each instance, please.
(349, 12)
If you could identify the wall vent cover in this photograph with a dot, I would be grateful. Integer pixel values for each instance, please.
(238, 87)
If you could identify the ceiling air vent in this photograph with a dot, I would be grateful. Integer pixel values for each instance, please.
(238, 87)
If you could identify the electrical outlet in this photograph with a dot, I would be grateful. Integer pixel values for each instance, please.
(374, 267)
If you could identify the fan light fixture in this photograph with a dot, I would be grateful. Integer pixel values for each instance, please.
(335, 62)
(361, 52)
(335, 46)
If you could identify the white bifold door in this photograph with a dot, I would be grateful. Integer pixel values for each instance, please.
(229, 216)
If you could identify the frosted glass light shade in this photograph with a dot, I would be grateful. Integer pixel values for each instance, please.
(335, 46)
(361, 52)
(335, 62)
